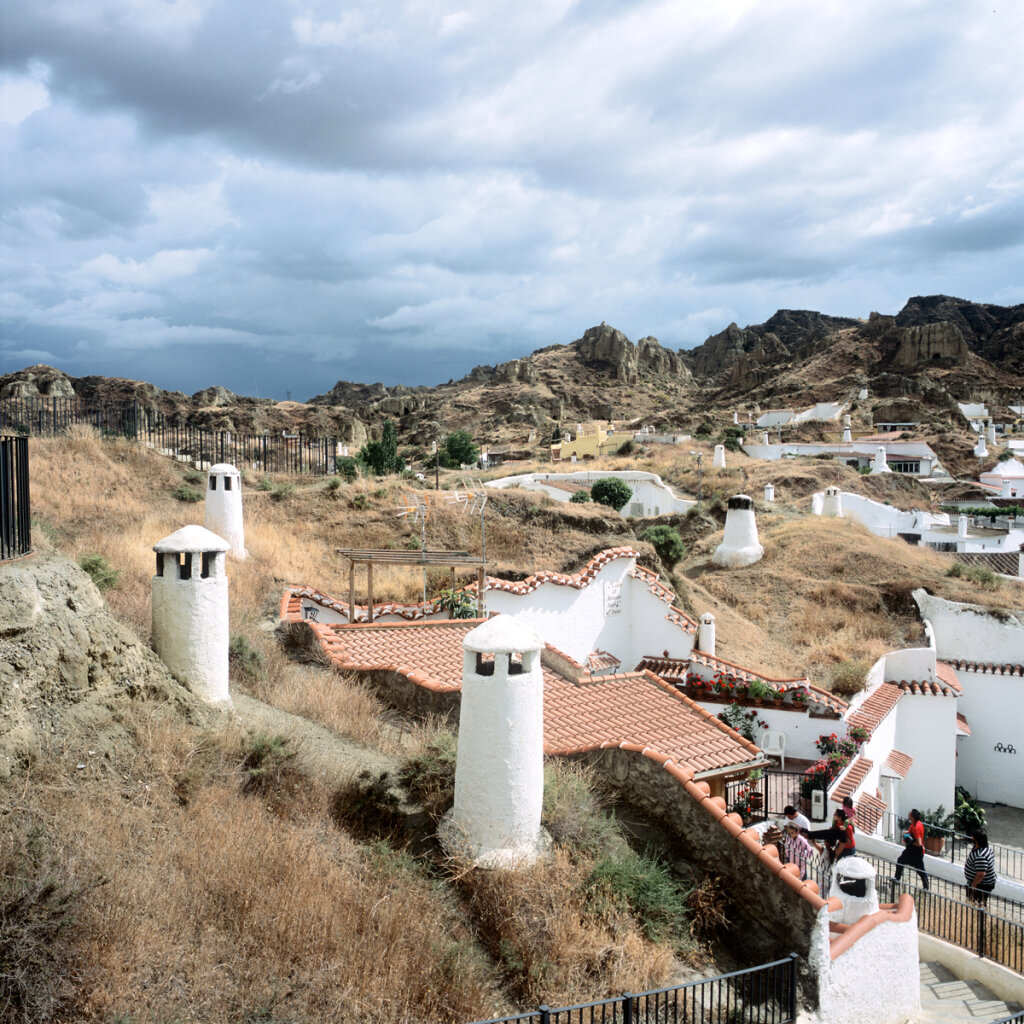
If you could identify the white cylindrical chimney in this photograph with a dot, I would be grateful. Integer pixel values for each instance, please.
(879, 464)
(980, 449)
(961, 526)
(706, 634)
(990, 433)
(499, 772)
(764, 437)
(832, 503)
(847, 435)
(769, 492)
(1004, 491)
(740, 545)
(735, 416)
(853, 884)
(190, 610)
(863, 396)
(224, 506)
(719, 459)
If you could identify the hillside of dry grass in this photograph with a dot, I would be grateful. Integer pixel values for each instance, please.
(158, 882)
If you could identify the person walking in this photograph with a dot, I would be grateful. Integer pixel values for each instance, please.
(913, 849)
(980, 869)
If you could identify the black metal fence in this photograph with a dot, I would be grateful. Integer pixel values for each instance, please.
(765, 797)
(1009, 861)
(1011, 1020)
(757, 995)
(15, 510)
(270, 453)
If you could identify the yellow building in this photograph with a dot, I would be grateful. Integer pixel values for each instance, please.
(590, 441)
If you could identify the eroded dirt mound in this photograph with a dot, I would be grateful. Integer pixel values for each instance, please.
(67, 666)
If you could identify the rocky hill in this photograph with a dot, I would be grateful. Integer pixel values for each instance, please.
(936, 351)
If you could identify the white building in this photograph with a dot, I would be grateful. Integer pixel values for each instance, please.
(823, 412)
(651, 495)
(224, 506)
(1005, 479)
(915, 458)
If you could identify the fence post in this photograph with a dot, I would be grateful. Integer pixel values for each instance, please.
(627, 1008)
(791, 1008)
(545, 1014)
(982, 916)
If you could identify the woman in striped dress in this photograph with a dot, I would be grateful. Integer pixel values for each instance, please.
(980, 869)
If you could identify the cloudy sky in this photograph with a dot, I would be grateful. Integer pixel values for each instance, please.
(273, 195)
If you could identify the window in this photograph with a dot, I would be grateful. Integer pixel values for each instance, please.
(912, 466)
(185, 566)
(213, 483)
(227, 483)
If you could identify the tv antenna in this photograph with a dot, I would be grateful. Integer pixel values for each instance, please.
(417, 510)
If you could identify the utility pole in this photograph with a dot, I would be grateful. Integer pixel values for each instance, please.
(437, 463)
(700, 476)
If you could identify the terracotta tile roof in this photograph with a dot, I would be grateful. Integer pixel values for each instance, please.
(292, 604)
(947, 684)
(673, 721)
(897, 764)
(676, 670)
(961, 725)
(869, 812)
(876, 706)
(598, 660)
(581, 711)
(852, 778)
(988, 667)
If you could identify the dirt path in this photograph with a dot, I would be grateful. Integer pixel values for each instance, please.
(319, 750)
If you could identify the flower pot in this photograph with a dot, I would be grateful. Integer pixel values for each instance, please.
(756, 800)
(934, 844)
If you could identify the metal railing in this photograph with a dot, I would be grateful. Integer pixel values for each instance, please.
(15, 508)
(1012, 1019)
(1009, 861)
(757, 995)
(272, 453)
(759, 799)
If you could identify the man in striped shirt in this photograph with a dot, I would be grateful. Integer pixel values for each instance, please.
(980, 869)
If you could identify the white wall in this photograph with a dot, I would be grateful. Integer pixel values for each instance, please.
(910, 663)
(881, 519)
(992, 705)
(579, 622)
(877, 979)
(822, 412)
(774, 417)
(650, 492)
(926, 730)
(971, 632)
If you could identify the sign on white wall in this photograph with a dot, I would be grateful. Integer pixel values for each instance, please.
(613, 598)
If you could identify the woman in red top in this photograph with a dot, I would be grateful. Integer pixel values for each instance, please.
(913, 850)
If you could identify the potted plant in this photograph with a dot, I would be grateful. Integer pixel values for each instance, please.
(756, 796)
(758, 691)
(936, 824)
(799, 697)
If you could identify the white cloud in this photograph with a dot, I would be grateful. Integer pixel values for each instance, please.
(21, 96)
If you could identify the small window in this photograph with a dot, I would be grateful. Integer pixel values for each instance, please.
(159, 563)
(484, 664)
(207, 566)
(185, 566)
(227, 483)
(213, 483)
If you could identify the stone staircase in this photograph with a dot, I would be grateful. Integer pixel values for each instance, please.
(946, 999)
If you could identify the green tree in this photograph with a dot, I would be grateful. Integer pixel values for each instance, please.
(459, 449)
(581, 497)
(347, 467)
(611, 491)
(666, 542)
(381, 457)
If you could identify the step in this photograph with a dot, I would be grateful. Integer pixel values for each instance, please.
(946, 998)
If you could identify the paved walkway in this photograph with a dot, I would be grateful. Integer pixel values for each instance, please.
(1005, 825)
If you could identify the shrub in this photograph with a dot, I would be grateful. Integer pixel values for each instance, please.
(706, 904)
(381, 457)
(666, 542)
(956, 570)
(646, 887)
(457, 603)
(572, 812)
(849, 678)
(334, 484)
(267, 764)
(367, 806)
(430, 775)
(968, 814)
(282, 492)
(194, 477)
(611, 491)
(459, 449)
(627, 449)
(245, 658)
(100, 571)
(581, 497)
(347, 467)
(360, 502)
(187, 494)
(266, 484)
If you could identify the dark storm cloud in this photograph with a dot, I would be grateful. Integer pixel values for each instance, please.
(273, 196)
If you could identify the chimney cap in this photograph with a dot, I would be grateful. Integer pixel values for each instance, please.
(502, 635)
(741, 501)
(189, 540)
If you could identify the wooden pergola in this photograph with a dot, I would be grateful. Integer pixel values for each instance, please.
(414, 559)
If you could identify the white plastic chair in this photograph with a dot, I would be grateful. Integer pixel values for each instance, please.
(773, 743)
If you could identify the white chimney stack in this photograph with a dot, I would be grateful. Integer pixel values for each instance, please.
(832, 504)
(224, 506)
(740, 545)
(879, 464)
(980, 450)
(190, 610)
(719, 459)
(769, 492)
(706, 634)
(499, 771)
